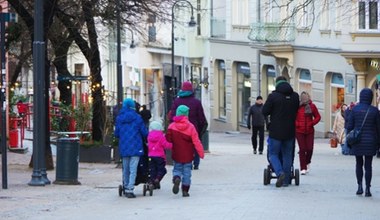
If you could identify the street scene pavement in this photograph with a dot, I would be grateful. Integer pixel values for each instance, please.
(228, 185)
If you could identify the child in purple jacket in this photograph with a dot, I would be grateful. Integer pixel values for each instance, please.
(157, 144)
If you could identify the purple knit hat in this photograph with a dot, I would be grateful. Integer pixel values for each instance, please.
(187, 86)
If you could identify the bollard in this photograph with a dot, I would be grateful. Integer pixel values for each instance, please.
(67, 161)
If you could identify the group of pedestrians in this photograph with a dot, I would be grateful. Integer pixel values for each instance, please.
(183, 137)
(290, 117)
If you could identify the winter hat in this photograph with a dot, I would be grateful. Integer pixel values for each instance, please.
(155, 125)
(129, 103)
(182, 110)
(366, 96)
(259, 97)
(187, 86)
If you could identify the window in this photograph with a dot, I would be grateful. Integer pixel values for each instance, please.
(368, 14)
(304, 81)
(240, 12)
(222, 89)
(338, 15)
(304, 14)
(325, 17)
(271, 79)
(244, 90)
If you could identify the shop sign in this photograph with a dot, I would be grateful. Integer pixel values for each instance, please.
(375, 64)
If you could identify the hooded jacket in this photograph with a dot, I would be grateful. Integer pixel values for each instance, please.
(305, 122)
(185, 139)
(157, 144)
(281, 107)
(131, 131)
(196, 113)
(370, 133)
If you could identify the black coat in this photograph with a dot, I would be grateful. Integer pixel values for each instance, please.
(255, 116)
(281, 107)
(370, 133)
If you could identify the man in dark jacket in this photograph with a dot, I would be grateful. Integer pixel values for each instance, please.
(281, 106)
(196, 114)
(257, 120)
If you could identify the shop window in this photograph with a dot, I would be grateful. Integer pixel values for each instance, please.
(271, 79)
(244, 91)
(222, 89)
(337, 91)
(304, 81)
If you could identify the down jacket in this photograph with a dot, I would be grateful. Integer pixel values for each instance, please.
(185, 140)
(370, 133)
(131, 131)
(305, 123)
(157, 144)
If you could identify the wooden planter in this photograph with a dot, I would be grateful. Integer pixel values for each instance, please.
(95, 154)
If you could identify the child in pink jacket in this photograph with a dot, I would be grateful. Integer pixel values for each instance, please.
(157, 144)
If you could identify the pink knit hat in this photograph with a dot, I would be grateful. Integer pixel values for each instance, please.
(187, 86)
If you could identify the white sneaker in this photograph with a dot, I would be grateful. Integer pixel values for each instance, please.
(303, 172)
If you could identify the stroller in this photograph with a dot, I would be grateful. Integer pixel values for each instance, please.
(142, 176)
(270, 174)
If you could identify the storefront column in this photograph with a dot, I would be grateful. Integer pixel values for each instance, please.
(360, 83)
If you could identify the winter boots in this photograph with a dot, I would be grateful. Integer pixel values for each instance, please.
(185, 191)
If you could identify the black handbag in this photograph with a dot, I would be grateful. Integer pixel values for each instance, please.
(353, 137)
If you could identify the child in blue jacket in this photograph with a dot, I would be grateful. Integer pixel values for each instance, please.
(131, 131)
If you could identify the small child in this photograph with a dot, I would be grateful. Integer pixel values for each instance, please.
(130, 130)
(157, 144)
(185, 138)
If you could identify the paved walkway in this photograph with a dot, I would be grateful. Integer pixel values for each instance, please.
(229, 185)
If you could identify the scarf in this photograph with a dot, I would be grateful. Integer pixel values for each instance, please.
(307, 107)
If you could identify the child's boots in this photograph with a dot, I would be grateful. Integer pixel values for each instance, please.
(185, 191)
(176, 182)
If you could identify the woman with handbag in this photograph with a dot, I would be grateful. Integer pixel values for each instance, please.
(338, 129)
(365, 119)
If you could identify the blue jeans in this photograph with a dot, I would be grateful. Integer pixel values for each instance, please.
(285, 148)
(130, 172)
(183, 171)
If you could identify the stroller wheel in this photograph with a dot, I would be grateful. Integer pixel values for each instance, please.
(144, 189)
(120, 190)
(150, 191)
(266, 177)
(297, 177)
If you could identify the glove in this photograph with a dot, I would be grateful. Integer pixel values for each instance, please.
(249, 127)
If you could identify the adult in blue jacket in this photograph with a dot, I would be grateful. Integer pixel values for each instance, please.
(131, 131)
(369, 142)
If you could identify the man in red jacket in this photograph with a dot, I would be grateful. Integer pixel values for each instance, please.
(184, 137)
(307, 117)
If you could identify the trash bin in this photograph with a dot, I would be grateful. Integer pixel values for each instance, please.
(67, 161)
(205, 142)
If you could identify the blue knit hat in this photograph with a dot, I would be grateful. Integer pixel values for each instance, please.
(155, 126)
(129, 103)
(182, 110)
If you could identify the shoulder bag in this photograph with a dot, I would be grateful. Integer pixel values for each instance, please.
(353, 137)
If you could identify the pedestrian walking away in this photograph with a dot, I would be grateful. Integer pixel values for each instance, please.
(307, 117)
(281, 107)
(185, 141)
(339, 129)
(146, 115)
(366, 118)
(196, 115)
(256, 121)
(157, 144)
(131, 131)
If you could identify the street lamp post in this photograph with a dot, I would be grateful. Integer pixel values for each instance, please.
(119, 66)
(192, 23)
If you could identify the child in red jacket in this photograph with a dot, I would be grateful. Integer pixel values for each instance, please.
(185, 139)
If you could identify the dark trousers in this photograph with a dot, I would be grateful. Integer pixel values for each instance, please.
(306, 144)
(367, 162)
(260, 130)
(157, 168)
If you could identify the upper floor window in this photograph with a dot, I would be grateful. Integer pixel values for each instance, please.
(369, 14)
(325, 16)
(240, 12)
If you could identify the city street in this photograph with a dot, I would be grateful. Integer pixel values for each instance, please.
(229, 185)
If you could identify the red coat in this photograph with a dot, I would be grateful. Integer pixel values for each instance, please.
(305, 123)
(185, 140)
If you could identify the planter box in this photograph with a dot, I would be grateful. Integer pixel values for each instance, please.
(95, 154)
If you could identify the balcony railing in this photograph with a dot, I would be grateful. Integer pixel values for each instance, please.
(218, 28)
(272, 32)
